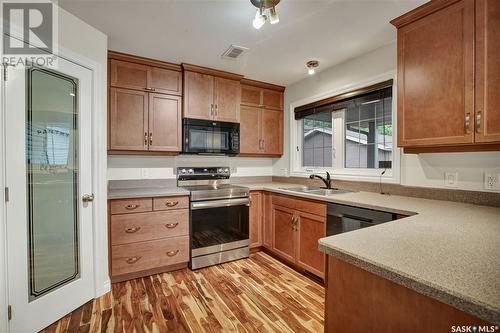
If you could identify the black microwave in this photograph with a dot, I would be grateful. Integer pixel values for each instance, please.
(210, 137)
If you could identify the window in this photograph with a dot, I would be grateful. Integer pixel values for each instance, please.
(353, 133)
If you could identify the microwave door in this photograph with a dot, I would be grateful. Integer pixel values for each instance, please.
(220, 140)
(200, 139)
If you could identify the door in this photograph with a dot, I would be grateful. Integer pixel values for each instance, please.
(49, 212)
(128, 75)
(284, 232)
(250, 130)
(255, 219)
(310, 229)
(272, 132)
(165, 123)
(165, 81)
(435, 75)
(487, 71)
(198, 96)
(128, 119)
(227, 100)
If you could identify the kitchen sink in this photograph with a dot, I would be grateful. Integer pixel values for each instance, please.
(315, 190)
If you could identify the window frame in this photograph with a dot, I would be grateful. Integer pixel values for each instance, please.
(338, 170)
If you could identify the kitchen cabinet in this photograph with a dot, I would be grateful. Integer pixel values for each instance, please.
(255, 219)
(145, 106)
(297, 225)
(211, 95)
(261, 123)
(267, 220)
(442, 104)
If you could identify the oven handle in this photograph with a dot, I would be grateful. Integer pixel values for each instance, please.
(220, 203)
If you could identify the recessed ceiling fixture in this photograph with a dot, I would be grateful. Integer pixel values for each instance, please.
(265, 9)
(311, 66)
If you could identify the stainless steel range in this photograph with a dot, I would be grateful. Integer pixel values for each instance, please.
(219, 216)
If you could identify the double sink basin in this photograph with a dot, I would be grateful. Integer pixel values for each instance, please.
(315, 190)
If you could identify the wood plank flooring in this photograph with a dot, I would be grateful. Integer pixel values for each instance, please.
(258, 294)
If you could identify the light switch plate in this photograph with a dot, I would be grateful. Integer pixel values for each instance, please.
(451, 179)
(144, 173)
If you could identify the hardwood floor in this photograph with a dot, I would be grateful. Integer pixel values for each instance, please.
(258, 294)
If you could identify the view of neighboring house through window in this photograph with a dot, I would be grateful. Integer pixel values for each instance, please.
(361, 126)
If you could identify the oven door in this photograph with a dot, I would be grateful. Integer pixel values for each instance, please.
(209, 137)
(219, 225)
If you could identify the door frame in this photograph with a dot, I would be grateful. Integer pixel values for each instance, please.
(102, 282)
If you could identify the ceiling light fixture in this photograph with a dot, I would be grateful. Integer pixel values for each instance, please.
(265, 9)
(311, 66)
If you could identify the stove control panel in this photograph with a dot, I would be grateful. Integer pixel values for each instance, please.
(186, 173)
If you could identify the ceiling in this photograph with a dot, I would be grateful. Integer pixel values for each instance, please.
(199, 31)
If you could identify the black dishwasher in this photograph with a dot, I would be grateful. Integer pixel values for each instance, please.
(343, 218)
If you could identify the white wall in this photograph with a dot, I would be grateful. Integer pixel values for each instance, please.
(416, 170)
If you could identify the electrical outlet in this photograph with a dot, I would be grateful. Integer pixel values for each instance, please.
(451, 179)
(144, 173)
(491, 181)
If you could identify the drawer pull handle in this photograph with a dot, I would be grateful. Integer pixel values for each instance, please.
(171, 203)
(171, 225)
(172, 253)
(131, 207)
(132, 230)
(132, 260)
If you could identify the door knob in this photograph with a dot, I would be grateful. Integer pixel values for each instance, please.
(88, 198)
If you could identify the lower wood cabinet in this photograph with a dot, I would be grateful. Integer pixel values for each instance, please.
(255, 219)
(147, 236)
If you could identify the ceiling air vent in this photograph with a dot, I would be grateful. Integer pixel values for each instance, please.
(234, 52)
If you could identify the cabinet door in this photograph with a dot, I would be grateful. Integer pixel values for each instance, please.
(128, 119)
(251, 96)
(250, 130)
(227, 100)
(283, 232)
(198, 95)
(272, 99)
(435, 78)
(310, 229)
(255, 217)
(272, 132)
(267, 220)
(487, 71)
(165, 81)
(165, 123)
(128, 75)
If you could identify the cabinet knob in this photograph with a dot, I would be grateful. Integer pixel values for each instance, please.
(150, 89)
(171, 203)
(145, 138)
(478, 122)
(172, 253)
(132, 260)
(132, 230)
(131, 207)
(467, 123)
(171, 225)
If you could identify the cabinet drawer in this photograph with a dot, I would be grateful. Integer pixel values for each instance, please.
(127, 206)
(131, 228)
(305, 205)
(142, 256)
(168, 203)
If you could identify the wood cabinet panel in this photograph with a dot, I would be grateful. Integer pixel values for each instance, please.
(128, 116)
(267, 220)
(128, 206)
(227, 100)
(487, 71)
(165, 81)
(255, 219)
(170, 203)
(310, 229)
(198, 95)
(142, 256)
(165, 123)
(435, 78)
(250, 130)
(272, 132)
(272, 99)
(300, 204)
(251, 96)
(131, 228)
(129, 75)
(283, 232)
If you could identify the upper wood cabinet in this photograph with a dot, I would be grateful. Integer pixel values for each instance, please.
(442, 106)
(211, 95)
(261, 94)
(145, 106)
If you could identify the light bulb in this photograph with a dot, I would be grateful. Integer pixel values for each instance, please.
(259, 20)
(274, 18)
(311, 71)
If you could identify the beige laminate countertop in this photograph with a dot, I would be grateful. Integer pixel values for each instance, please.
(446, 250)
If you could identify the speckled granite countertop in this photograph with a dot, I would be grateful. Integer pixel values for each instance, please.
(123, 189)
(446, 250)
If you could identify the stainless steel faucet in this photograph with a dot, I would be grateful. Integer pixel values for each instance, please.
(327, 180)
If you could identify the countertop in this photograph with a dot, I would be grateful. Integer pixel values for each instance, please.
(446, 250)
(141, 192)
